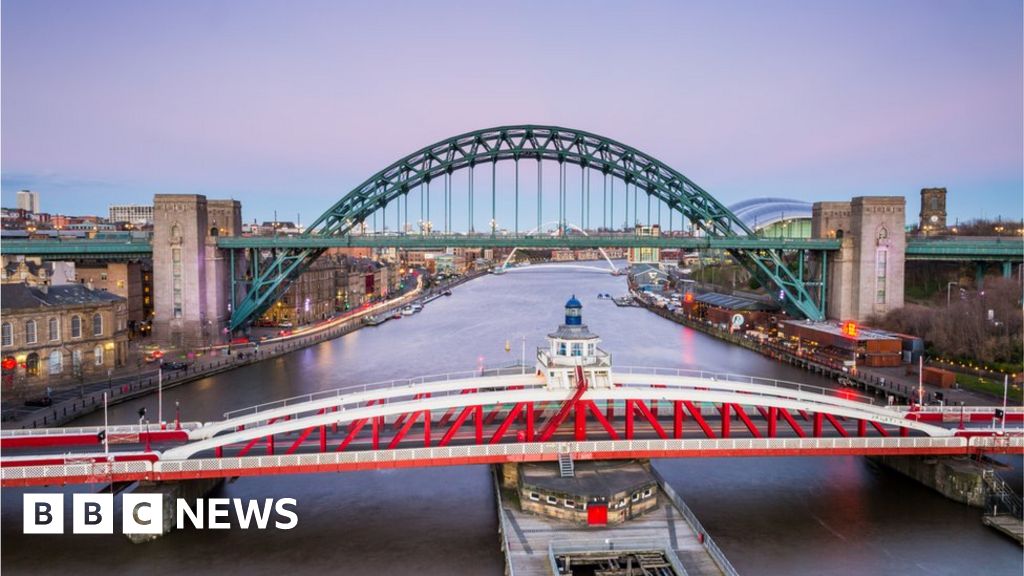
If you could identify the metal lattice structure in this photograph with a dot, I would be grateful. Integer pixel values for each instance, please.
(528, 142)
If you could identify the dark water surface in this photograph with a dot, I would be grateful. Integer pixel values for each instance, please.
(791, 516)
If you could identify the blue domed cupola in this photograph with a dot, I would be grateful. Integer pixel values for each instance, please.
(573, 312)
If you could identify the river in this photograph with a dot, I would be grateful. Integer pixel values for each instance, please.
(781, 516)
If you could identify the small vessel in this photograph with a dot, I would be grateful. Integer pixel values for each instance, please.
(447, 292)
(397, 315)
(408, 311)
(417, 307)
(374, 320)
(498, 270)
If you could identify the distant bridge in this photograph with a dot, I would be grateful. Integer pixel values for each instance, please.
(964, 249)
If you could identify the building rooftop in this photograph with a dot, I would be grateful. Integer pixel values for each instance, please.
(837, 330)
(758, 213)
(735, 302)
(21, 296)
(592, 478)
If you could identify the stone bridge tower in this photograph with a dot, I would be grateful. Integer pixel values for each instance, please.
(865, 277)
(191, 276)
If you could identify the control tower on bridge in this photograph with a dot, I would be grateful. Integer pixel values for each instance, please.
(572, 345)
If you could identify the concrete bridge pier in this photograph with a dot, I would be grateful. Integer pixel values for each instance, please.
(189, 490)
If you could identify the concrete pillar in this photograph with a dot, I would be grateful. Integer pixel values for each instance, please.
(865, 277)
(1007, 269)
(191, 276)
(510, 475)
(979, 276)
(189, 490)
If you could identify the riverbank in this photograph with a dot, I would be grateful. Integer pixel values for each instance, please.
(216, 361)
(882, 383)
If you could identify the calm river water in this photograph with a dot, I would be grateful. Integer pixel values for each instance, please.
(789, 516)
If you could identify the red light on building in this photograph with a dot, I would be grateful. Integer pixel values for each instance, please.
(850, 329)
(688, 298)
(9, 363)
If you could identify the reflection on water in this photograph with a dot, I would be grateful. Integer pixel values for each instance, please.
(771, 516)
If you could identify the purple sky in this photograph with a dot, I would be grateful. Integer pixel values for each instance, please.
(289, 105)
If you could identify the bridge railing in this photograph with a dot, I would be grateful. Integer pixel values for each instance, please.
(709, 543)
(580, 450)
(382, 385)
(123, 429)
(521, 451)
(743, 379)
(957, 409)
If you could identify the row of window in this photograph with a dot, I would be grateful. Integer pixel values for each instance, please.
(55, 361)
(572, 504)
(53, 330)
(577, 349)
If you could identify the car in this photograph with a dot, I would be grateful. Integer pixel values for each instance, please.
(41, 402)
(173, 366)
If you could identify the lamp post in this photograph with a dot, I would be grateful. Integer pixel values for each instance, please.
(1006, 385)
(949, 285)
(920, 381)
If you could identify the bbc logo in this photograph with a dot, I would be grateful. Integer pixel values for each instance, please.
(92, 514)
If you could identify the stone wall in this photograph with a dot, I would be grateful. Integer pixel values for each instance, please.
(958, 479)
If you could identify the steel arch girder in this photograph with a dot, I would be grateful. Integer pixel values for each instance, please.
(524, 142)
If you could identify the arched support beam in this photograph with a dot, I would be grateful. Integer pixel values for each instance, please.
(511, 143)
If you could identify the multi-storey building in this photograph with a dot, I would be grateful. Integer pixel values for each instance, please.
(131, 213)
(28, 201)
(60, 333)
(129, 280)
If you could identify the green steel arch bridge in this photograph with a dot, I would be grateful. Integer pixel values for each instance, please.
(630, 184)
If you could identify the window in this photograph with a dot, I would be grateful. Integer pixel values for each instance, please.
(552, 500)
(56, 362)
(562, 350)
(76, 360)
(176, 281)
(53, 329)
(880, 275)
(570, 504)
(636, 497)
(30, 332)
(534, 496)
(98, 355)
(76, 326)
(8, 334)
(103, 276)
(577, 349)
(590, 349)
(647, 493)
(32, 364)
(97, 325)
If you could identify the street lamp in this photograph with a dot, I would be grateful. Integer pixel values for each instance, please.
(948, 286)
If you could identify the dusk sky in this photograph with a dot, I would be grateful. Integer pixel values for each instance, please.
(290, 105)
